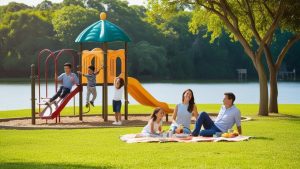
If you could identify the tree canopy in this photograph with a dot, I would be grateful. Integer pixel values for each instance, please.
(250, 22)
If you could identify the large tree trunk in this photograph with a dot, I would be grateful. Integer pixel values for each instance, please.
(273, 105)
(273, 69)
(263, 88)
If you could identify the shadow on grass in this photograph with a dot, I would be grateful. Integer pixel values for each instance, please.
(284, 115)
(262, 138)
(17, 165)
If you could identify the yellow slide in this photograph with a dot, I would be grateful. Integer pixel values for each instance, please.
(140, 94)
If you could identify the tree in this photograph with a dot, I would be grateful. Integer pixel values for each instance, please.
(96, 4)
(288, 21)
(250, 22)
(147, 61)
(23, 34)
(14, 7)
(69, 21)
(45, 5)
(73, 2)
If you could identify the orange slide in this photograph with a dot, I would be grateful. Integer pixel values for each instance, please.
(140, 94)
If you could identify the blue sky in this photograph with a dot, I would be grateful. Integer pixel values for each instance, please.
(35, 2)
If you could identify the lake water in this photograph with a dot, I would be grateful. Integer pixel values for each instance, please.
(17, 96)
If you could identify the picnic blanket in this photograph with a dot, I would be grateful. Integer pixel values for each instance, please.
(131, 138)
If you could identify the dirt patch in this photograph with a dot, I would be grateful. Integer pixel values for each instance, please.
(71, 122)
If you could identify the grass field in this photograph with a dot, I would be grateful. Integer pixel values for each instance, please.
(277, 145)
(246, 110)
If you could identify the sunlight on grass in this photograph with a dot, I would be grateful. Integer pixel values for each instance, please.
(246, 109)
(276, 144)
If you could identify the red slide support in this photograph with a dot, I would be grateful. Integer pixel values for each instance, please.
(61, 105)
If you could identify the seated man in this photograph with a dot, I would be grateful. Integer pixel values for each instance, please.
(68, 79)
(227, 117)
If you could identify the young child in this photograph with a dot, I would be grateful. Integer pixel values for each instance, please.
(67, 79)
(154, 126)
(91, 84)
(117, 103)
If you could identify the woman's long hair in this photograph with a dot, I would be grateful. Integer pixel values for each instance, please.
(191, 102)
(153, 115)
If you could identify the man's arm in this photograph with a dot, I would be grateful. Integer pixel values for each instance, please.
(238, 121)
(59, 78)
(239, 128)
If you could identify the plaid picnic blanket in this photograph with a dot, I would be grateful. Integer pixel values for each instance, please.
(131, 138)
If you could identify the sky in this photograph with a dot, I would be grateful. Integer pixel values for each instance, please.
(35, 2)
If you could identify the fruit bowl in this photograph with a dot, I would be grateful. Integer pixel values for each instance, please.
(230, 135)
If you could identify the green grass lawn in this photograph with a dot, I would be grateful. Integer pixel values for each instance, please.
(246, 110)
(277, 145)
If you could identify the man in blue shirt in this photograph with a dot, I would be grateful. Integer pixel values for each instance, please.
(227, 117)
(68, 79)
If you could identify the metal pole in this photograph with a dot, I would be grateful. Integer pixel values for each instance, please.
(32, 94)
(105, 103)
(103, 115)
(80, 82)
(74, 105)
(126, 82)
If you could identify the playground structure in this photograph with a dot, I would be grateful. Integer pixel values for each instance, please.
(105, 60)
(54, 56)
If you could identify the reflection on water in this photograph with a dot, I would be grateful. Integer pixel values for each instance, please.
(17, 96)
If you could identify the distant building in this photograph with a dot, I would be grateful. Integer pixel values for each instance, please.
(284, 74)
(242, 74)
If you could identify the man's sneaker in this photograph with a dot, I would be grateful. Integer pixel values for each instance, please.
(115, 123)
(87, 105)
(119, 123)
(92, 103)
(49, 103)
(194, 134)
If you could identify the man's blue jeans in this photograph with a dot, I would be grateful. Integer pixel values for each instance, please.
(209, 126)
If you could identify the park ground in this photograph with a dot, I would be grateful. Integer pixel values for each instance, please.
(276, 145)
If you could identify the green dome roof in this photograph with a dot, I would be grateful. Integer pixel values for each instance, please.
(102, 31)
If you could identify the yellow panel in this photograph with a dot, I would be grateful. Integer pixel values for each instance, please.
(97, 54)
(87, 57)
(112, 56)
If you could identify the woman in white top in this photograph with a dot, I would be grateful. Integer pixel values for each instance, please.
(154, 126)
(117, 99)
(183, 113)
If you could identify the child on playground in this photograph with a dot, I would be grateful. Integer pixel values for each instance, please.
(154, 126)
(91, 84)
(67, 79)
(117, 103)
